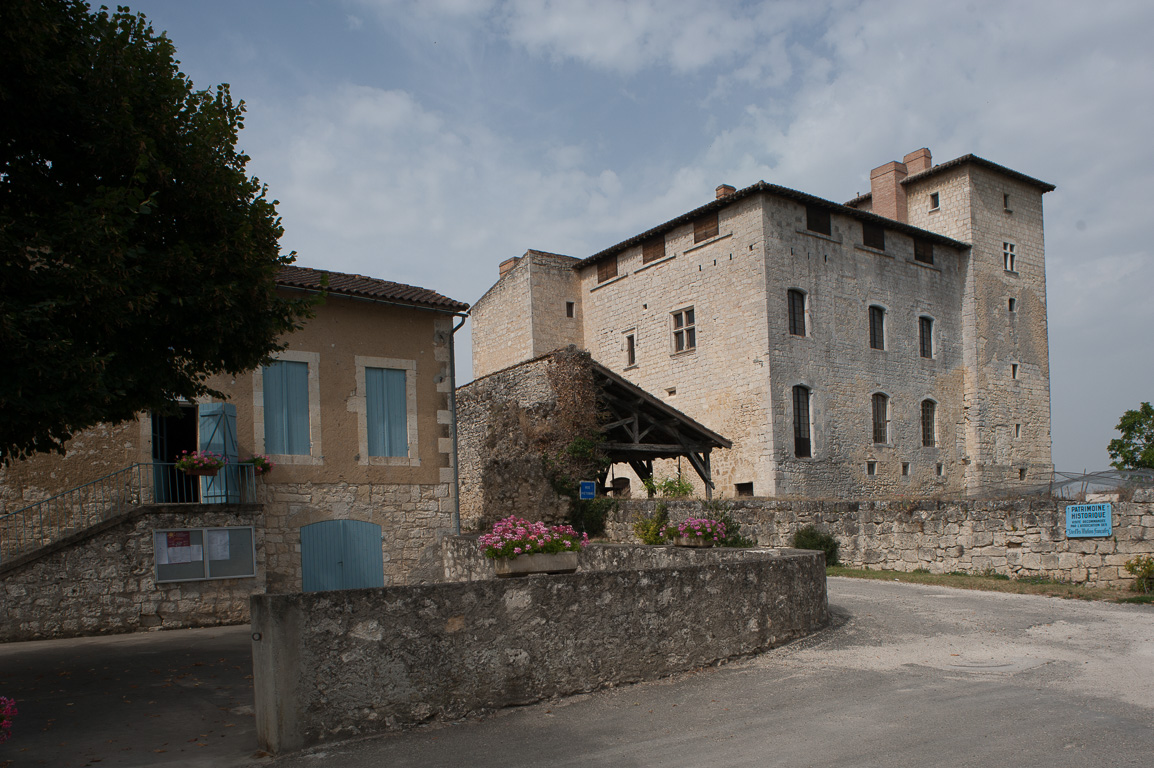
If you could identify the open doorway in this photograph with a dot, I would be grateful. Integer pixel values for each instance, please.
(172, 434)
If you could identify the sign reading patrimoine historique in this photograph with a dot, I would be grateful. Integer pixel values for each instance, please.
(1088, 520)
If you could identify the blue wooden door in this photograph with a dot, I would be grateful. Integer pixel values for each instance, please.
(341, 554)
(218, 434)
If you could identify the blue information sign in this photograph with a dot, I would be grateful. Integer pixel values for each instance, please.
(588, 489)
(1088, 520)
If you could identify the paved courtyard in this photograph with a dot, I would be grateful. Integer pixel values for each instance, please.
(907, 676)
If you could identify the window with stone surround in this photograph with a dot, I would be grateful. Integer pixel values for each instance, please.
(569, 309)
(817, 219)
(873, 235)
(877, 327)
(607, 268)
(923, 251)
(796, 301)
(1009, 257)
(684, 330)
(385, 401)
(881, 418)
(286, 399)
(802, 443)
(929, 423)
(705, 227)
(653, 249)
(935, 201)
(630, 349)
(926, 336)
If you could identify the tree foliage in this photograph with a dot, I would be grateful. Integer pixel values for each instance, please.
(137, 257)
(1135, 448)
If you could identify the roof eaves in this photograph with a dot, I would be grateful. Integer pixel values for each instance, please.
(1045, 186)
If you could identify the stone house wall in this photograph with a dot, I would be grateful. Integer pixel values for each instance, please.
(103, 582)
(1018, 538)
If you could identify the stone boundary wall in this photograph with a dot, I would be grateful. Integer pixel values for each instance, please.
(102, 581)
(334, 665)
(1019, 538)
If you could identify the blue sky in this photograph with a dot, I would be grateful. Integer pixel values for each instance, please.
(425, 142)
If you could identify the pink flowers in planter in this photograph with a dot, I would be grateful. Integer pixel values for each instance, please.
(200, 460)
(513, 536)
(701, 528)
(7, 712)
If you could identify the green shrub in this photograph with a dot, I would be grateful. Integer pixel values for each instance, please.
(810, 537)
(1142, 567)
(669, 488)
(648, 528)
(720, 511)
(588, 515)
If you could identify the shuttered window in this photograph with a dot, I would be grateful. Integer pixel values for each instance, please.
(817, 219)
(653, 249)
(705, 227)
(385, 412)
(873, 235)
(923, 252)
(801, 440)
(606, 269)
(286, 408)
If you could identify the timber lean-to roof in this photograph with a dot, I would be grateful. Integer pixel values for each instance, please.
(772, 189)
(359, 286)
(1045, 186)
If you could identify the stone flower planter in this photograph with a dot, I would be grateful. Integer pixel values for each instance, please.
(523, 565)
(691, 541)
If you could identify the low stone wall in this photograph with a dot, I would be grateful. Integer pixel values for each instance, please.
(1020, 538)
(103, 580)
(332, 665)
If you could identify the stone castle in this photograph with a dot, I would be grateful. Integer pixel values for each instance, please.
(891, 346)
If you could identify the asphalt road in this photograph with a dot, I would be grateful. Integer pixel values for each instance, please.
(907, 676)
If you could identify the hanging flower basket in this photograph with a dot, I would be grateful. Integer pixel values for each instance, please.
(261, 464)
(200, 463)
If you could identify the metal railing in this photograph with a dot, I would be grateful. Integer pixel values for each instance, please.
(44, 522)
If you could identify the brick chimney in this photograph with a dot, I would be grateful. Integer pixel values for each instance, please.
(889, 198)
(917, 161)
(508, 264)
(725, 190)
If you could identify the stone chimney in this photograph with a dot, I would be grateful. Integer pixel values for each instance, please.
(508, 264)
(918, 161)
(725, 190)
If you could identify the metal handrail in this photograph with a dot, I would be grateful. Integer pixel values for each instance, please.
(45, 522)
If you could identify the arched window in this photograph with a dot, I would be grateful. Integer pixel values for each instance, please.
(929, 423)
(802, 446)
(881, 421)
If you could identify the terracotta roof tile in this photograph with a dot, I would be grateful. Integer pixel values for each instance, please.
(342, 284)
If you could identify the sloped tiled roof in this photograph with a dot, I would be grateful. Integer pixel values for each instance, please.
(342, 284)
(772, 189)
(1044, 186)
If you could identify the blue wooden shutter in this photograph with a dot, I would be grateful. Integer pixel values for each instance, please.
(286, 408)
(385, 412)
(218, 434)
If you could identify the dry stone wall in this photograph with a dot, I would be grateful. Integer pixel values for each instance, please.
(1020, 538)
(103, 582)
(336, 665)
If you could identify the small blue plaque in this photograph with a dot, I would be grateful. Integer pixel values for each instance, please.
(1088, 520)
(588, 489)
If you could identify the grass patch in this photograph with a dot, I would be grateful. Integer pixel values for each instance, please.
(996, 582)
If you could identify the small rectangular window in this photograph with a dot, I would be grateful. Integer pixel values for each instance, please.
(881, 406)
(877, 328)
(1013, 305)
(871, 468)
(935, 201)
(684, 330)
(705, 227)
(743, 489)
(1017, 430)
(923, 251)
(905, 469)
(1022, 473)
(926, 336)
(1006, 202)
(796, 301)
(940, 470)
(653, 249)
(630, 350)
(1013, 370)
(801, 431)
(817, 219)
(607, 269)
(873, 235)
(568, 309)
(1009, 258)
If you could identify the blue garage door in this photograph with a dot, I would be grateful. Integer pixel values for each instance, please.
(341, 554)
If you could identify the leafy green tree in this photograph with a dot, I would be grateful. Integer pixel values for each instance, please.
(137, 257)
(1135, 448)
